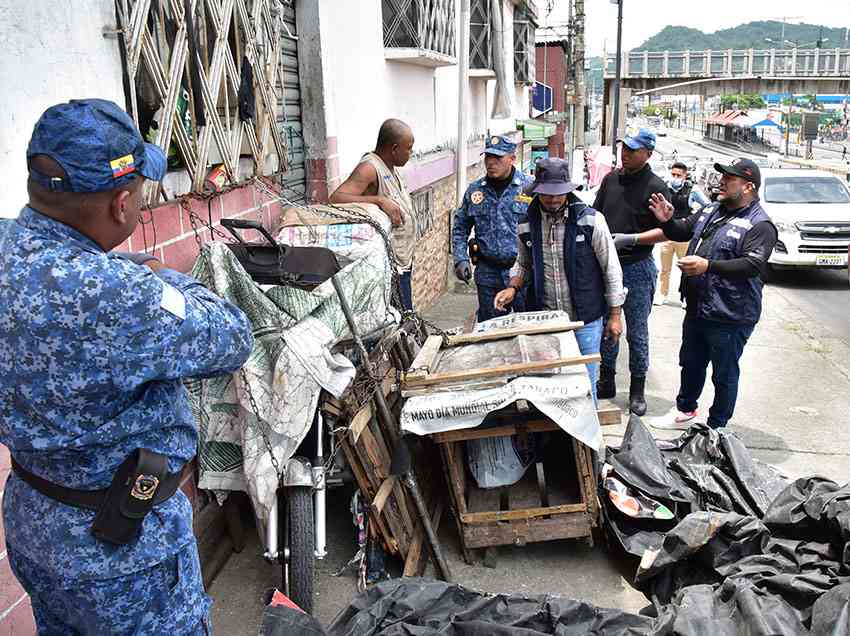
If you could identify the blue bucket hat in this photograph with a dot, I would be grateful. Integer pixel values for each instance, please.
(96, 143)
(500, 146)
(552, 177)
(644, 139)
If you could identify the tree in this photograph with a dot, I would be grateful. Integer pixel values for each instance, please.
(742, 101)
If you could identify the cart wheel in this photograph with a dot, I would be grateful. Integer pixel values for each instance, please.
(300, 538)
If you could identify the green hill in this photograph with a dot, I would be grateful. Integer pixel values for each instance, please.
(745, 36)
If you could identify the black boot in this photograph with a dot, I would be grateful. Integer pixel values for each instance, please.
(637, 401)
(606, 387)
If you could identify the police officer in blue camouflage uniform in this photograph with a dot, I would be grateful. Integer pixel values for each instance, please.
(93, 349)
(494, 206)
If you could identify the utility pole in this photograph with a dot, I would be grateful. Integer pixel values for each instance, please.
(615, 113)
(462, 100)
(580, 87)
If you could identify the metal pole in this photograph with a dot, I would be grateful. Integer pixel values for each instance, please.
(393, 429)
(462, 100)
(615, 114)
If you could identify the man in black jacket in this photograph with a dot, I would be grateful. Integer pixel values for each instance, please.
(722, 280)
(624, 199)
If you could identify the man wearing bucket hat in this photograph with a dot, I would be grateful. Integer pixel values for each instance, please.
(723, 275)
(93, 349)
(623, 198)
(493, 206)
(571, 262)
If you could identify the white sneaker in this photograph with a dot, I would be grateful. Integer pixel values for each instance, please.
(674, 420)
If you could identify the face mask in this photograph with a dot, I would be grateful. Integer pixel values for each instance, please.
(676, 183)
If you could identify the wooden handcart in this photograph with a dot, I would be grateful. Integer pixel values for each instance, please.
(556, 498)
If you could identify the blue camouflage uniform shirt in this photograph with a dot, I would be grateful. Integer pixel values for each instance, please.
(92, 352)
(495, 220)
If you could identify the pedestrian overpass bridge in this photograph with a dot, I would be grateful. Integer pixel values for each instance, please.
(707, 73)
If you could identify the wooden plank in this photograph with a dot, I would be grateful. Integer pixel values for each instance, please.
(424, 361)
(527, 513)
(456, 475)
(414, 564)
(366, 489)
(571, 526)
(360, 421)
(383, 492)
(507, 369)
(466, 434)
(500, 334)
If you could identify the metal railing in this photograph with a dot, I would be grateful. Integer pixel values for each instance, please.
(733, 63)
(420, 24)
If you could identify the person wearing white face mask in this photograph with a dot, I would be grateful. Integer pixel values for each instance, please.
(686, 200)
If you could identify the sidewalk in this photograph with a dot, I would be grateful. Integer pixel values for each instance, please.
(795, 394)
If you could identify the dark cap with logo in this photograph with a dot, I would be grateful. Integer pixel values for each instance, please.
(743, 168)
(645, 138)
(499, 145)
(97, 144)
(552, 177)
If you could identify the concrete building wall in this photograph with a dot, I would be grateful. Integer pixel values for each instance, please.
(52, 52)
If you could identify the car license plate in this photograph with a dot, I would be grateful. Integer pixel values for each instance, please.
(836, 260)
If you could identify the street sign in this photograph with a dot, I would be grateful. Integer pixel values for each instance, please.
(541, 99)
(810, 125)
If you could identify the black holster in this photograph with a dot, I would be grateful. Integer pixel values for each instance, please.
(141, 482)
(130, 497)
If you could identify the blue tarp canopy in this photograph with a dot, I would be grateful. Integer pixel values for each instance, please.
(767, 122)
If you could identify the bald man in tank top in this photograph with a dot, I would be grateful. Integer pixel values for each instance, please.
(376, 180)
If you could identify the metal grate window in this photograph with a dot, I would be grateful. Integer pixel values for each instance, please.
(423, 208)
(203, 81)
(480, 48)
(524, 52)
(420, 24)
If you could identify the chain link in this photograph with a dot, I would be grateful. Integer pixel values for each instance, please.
(260, 425)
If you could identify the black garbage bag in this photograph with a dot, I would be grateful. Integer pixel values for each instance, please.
(703, 469)
(407, 606)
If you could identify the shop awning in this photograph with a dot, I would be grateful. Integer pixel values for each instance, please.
(535, 129)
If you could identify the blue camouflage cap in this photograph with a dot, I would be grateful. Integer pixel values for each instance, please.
(96, 143)
(644, 139)
(500, 146)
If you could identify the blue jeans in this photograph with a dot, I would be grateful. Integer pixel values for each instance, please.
(589, 338)
(639, 278)
(722, 344)
(404, 283)
(486, 296)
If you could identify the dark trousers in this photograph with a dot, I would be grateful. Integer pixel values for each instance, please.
(639, 278)
(721, 344)
(405, 284)
(486, 297)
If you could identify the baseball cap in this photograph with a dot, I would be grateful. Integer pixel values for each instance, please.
(97, 144)
(500, 146)
(552, 177)
(644, 139)
(744, 168)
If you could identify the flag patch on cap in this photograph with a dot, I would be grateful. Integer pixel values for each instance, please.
(122, 165)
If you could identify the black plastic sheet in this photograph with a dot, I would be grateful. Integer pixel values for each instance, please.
(404, 607)
(750, 553)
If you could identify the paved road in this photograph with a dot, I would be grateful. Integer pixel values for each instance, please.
(821, 295)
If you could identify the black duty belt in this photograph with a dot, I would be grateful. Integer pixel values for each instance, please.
(140, 483)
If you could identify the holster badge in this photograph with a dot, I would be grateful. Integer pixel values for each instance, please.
(145, 487)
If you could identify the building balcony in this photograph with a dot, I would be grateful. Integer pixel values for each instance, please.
(419, 31)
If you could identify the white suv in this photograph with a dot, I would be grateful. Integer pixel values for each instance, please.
(811, 211)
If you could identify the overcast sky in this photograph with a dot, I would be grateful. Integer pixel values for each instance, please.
(644, 18)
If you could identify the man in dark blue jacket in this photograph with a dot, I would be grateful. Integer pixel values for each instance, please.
(570, 261)
(723, 274)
